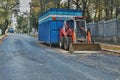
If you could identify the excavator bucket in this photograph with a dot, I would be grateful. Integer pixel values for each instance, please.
(84, 47)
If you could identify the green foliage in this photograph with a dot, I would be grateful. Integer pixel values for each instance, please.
(22, 24)
(94, 10)
(40, 6)
(5, 9)
(97, 9)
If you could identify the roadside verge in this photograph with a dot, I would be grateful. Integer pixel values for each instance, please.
(112, 49)
(2, 37)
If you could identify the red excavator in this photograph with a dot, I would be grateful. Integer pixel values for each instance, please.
(75, 36)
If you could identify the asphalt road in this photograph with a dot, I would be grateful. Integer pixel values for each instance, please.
(22, 59)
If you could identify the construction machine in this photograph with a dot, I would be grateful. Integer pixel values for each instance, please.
(74, 36)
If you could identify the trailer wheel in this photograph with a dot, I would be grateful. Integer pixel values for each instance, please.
(61, 43)
(67, 41)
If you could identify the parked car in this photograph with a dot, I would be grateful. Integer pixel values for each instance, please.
(11, 30)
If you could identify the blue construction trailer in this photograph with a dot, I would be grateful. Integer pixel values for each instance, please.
(52, 21)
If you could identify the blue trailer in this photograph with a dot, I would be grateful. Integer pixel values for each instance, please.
(52, 21)
(67, 28)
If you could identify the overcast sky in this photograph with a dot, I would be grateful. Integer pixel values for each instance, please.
(24, 5)
(62, 1)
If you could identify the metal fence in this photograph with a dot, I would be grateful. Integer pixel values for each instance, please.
(108, 28)
(107, 31)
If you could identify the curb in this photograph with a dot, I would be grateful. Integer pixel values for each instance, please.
(111, 50)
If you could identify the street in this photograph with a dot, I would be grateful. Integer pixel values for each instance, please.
(22, 59)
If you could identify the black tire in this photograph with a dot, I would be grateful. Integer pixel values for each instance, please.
(67, 41)
(61, 43)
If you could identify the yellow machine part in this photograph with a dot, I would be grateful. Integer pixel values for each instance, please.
(84, 47)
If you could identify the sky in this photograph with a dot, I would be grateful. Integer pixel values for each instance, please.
(62, 1)
(24, 5)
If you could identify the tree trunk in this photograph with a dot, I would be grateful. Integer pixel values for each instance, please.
(83, 8)
(68, 4)
(77, 4)
(5, 26)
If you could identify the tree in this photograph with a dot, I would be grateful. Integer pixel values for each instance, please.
(81, 5)
(94, 10)
(22, 24)
(5, 10)
(38, 7)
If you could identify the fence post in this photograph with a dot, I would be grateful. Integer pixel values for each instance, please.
(96, 29)
(117, 29)
(103, 29)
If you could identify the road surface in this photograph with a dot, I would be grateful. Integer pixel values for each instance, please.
(22, 59)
